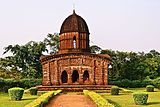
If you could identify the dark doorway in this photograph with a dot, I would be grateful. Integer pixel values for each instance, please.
(85, 76)
(75, 76)
(64, 77)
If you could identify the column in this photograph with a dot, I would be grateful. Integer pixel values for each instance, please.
(105, 73)
(69, 76)
(80, 75)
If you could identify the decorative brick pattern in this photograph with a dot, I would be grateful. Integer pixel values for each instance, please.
(74, 65)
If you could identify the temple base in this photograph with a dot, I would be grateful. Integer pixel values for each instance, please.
(78, 88)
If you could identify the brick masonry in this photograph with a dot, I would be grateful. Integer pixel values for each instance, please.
(74, 64)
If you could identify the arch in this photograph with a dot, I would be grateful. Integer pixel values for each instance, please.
(64, 77)
(75, 76)
(74, 42)
(85, 76)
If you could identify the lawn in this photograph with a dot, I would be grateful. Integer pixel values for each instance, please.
(126, 100)
(6, 102)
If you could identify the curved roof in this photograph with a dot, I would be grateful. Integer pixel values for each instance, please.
(74, 23)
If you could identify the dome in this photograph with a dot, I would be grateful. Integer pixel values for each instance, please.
(74, 23)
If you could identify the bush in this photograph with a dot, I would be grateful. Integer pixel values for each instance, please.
(16, 93)
(114, 90)
(43, 99)
(125, 83)
(33, 90)
(156, 82)
(23, 83)
(140, 98)
(150, 88)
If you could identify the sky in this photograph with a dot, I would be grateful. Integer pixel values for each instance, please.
(124, 25)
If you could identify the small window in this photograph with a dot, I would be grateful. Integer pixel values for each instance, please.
(74, 42)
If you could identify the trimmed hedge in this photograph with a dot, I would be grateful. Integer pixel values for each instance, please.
(125, 83)
(140, 98)
(16, 93)
(33, 90)
(43, 99)
(6, 84)
(150, 88)
(114, 90)
(99, 100)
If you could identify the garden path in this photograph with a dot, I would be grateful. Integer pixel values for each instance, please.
(66, 100)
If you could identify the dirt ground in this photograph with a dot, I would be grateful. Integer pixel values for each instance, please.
(66, 100)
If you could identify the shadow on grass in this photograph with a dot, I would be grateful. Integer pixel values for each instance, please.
(152, 103)
(114, 103)
(28, 99)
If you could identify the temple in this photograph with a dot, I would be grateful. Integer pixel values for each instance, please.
(74, 67)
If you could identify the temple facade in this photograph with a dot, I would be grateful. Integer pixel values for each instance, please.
(74, 65)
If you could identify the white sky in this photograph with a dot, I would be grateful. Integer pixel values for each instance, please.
(125, 25)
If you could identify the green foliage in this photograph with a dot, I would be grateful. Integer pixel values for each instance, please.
(43, 99)
(25, 58)
(150, 88)
(131, 84)
(95, 49)
(23, 83)
(99, 100)
(140, 98)
(114, 90)
(156, 82)
(16, 93)
(52, 41)
(33, 90)
(133, 66)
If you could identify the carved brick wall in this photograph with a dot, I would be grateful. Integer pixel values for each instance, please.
(91, 70)
(67, 39)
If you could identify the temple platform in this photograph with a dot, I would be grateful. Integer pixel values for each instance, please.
(73, 88)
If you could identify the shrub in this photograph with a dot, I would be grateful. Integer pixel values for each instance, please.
(150, 88)
(100, 101)
(24, 83)
(140, 98)
(43, 99)
(33, 90)
(156, 82)
(114, 90)
(125, 83)
(16, 93)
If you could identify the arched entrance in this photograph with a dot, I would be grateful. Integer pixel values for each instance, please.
(64, 77)
(75, 76)
(85, 77)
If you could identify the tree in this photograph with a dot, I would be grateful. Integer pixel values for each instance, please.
(52, 41)
(26, 58)
(95, 49)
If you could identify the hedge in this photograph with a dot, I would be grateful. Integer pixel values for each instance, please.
(33, 90)
(150, 88)
(43, 99)
(6, 84)
(131, 83)
(99, 100)
(16, 93)
(114, 90)
(140, 98)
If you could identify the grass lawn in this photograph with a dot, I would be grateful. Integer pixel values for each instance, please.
(6, 102)
(126, 99)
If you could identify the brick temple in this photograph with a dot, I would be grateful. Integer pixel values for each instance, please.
(74, 67)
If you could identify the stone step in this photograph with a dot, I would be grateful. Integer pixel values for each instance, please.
(74, 87)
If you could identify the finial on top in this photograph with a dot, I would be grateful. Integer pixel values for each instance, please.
(74, 11)
(74, 8)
